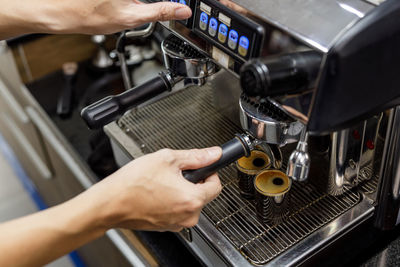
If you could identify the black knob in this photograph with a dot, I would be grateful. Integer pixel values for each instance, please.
(280, 75)
(110, 108)
(231, 151)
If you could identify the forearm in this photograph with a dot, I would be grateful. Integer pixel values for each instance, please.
(82, 16)
(42, 237)
(27, 16)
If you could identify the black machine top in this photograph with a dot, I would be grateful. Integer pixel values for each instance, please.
(361, 74)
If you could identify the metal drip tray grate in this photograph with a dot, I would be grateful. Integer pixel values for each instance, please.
(188, 119)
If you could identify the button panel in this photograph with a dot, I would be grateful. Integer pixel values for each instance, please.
(231, 32)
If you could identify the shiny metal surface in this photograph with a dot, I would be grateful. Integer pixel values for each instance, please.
(317, 23)
(388, 214)
(299, 161)
(263, 127)
(131, 34)
(141, 33)
(186, 65)
(350, 158)
(229, 224)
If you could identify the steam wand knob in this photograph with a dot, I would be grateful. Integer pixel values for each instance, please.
(299, 161)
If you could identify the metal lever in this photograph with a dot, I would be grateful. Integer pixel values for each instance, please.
(121, 50)
(299, 161)
(110, 108)
(232, 150)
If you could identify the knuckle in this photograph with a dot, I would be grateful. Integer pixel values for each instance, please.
(164, 13)
(167, 155)
(199, 155)
(190, 222)
(194, 205)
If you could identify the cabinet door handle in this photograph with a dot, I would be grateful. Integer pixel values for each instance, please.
(13, 103)
(58, 147)
(30, 151)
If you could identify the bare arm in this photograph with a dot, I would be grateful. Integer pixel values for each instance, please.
(149, 193)
(82, 16)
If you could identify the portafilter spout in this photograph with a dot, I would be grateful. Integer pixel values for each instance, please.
(182, 62)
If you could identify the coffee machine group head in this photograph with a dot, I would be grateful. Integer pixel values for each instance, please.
(289, 96)
(183, 63)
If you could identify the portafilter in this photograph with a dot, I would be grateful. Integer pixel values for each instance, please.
(182, 62)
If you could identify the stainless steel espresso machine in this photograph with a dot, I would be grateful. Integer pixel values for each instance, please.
(314, 83)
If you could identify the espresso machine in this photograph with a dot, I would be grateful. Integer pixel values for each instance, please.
(315, 84)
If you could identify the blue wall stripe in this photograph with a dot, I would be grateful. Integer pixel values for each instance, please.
(28, 185)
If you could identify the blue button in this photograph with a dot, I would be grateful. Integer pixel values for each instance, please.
(244, 42)
(203, 21)
(222, 33)
(223, 29)
(243, 45)
(212, 30)
(182, 2)
(233, 39)
(233, 35)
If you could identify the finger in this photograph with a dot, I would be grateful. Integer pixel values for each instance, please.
(211, 188)
(197, 158)
(161, 11)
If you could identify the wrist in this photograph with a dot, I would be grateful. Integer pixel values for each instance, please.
(107, 210)
(38, 16)
(84, 215)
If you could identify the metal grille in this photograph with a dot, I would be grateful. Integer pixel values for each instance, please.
(368, 181)
(188, 119)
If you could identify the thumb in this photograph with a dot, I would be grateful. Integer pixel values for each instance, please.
(197, 158)
(162, 11)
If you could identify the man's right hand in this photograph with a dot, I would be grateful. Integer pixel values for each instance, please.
(83, 16)
(150, 193)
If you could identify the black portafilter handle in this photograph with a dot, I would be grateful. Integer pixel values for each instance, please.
(291, 73)
(110, 108)
(232, 150)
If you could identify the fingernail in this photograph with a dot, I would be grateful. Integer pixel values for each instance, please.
(183, 13)
(214, 151)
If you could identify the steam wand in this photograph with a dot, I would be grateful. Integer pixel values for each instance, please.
(299, 161)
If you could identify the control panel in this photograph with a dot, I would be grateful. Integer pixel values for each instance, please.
(234, 34)
(230, 37)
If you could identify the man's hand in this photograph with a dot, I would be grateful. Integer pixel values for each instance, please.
(150, 193)
(109, 16)
(83, 16)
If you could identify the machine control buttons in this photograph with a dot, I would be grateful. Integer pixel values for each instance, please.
(203, 21)
(233, 39)
(243, 46)
(222, 33)
(212, 29)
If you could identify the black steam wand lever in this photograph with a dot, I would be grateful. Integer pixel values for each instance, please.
(110, 108)
(232, 150)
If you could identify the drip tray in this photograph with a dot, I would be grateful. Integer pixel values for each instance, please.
(188, 119)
